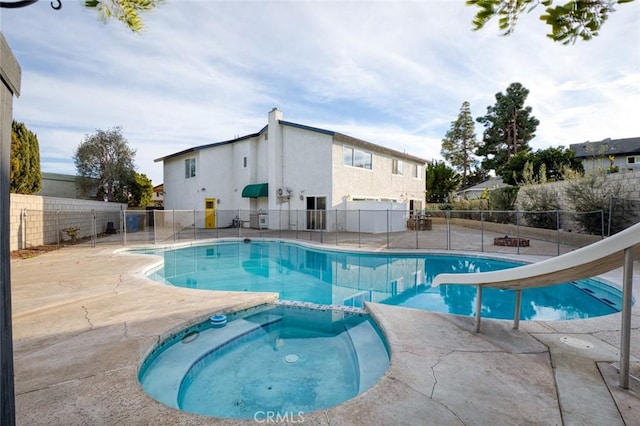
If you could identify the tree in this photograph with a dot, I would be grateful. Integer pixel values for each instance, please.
(509, 126)
(140, 191)
(547, 165)
(441, 181)
(460, 143)
(25, 175)
(125, 11)
(570, 21)
(106, 161)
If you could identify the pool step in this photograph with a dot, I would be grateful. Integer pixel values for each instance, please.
(163, 381)
(370, 349)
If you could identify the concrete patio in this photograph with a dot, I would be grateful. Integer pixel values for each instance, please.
(84, 318)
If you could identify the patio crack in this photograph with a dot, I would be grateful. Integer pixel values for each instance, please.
(435, 383)
(453, 413)
(120, 280)
(86, 316)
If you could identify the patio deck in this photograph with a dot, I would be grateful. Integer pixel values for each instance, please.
(84, 318)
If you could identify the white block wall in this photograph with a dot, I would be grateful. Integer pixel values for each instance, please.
(37, 220)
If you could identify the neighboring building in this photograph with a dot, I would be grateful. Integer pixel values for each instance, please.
(476, 191)
(624, 154)
(62, 186)
(157, 199)
(288, 167)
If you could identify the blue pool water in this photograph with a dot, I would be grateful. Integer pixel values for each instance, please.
(288, 360)
(331, 277)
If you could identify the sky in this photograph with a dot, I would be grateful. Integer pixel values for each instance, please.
(393, 72)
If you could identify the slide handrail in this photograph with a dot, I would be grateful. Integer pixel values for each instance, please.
(585, 262)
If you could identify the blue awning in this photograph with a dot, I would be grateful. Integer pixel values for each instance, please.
(256, 190)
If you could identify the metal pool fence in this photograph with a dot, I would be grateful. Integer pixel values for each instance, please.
(517, 232)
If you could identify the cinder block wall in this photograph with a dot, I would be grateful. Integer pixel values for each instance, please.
(630, 181)
(37, 220)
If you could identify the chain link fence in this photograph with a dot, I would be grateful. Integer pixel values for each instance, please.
(518, 232)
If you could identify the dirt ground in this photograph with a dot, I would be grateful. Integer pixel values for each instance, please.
(33, 251)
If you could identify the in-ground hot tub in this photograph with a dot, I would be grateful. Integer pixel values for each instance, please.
(284, 359)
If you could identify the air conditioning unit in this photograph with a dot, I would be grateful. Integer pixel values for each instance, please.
(262, 220)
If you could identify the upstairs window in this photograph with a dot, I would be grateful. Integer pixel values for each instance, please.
(189, 168)
(418, 172)
(397, 167)
(356, 158)
(634, 159)
(244, 162)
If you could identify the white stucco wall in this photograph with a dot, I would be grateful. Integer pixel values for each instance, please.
(301, 161)
(376, 184)
(307, 166)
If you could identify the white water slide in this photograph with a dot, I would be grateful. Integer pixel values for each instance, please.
(597, 258)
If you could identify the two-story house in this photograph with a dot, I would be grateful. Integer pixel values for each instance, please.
(286, 168)
(609, 154)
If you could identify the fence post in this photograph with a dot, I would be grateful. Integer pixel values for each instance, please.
(415, 227)
(602, 224)
(558, 229)
(610, 214)
(482, 231)
(124, 225)
(388, 229)
(155, 227)
(297, 218)
(359, 242)
(94, 230)
(173, 223)
(57, 228)
(448, 215)
(195, 237)
(336, 227)
(518, 230)
(23, 218)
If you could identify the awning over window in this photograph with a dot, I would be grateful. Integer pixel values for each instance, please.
(256, 190)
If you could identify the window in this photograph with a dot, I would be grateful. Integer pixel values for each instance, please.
(244, 162)
(189, 168)
(356, 158)
(397, 167)
(633, 159)
(418, 172)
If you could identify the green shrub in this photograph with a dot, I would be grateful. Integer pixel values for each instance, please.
(501, 201)
(594, 192)
(540, 204)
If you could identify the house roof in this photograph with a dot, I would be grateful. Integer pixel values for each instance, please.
(491, 183)
(606, 147)
(336, 136)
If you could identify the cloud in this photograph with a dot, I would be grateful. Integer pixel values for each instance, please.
(391, 72)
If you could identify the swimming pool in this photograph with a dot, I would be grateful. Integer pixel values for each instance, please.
(332, 277)
(281, 359)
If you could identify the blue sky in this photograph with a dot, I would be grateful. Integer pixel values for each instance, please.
(393, 73)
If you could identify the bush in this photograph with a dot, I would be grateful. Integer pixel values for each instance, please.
(539, 204)
(594, 192)
(502, 200)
